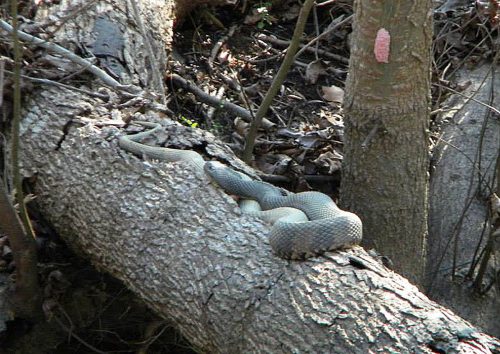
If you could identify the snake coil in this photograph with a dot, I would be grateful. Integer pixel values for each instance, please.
(327, 228)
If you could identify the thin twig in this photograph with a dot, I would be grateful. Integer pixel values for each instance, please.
(214, 101)
(244, 96)
(61, 21)
(2, 71)
(150, 335)
(211, 110)
(322, 52)
(328, 2)
(278, 80)
(153, 60)
(16, 121)
(215, 50)
(77, 337)
(55, 83)
(489, 244)
(324, 34)
(27, 299)
(316, 28)
(469, 97)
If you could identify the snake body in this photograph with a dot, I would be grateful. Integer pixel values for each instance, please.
(293, 236)
(131, 144)
(328, 226)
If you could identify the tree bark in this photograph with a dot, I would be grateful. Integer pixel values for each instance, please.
(386, 142)
(462, 180)
(183, 247)
(27, 298)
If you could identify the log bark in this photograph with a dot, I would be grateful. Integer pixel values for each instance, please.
(462, 179)
(183, 247)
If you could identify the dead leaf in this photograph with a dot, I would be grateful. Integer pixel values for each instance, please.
(224, 56)
(287, 132)
(314, 70)
(240, 126)
(314, 138)
(274, 164)
(336, 120)
(310, 141)
(329, 161)
(333, 94)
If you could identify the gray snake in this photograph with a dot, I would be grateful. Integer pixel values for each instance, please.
(327, 228)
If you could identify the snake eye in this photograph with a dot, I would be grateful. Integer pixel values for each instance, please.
(211, 168)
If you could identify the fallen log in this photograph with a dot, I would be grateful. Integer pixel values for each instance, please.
(181, 245)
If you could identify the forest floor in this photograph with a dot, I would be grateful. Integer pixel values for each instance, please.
(234, 54)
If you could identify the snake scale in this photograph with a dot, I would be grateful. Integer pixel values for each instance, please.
(317, 226)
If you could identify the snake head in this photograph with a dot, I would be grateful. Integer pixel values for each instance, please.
(214, 169)
(224, 176)
(220, 172)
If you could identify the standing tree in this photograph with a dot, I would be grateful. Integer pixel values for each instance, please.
(387, 104)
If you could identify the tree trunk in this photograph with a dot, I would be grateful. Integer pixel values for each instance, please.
(26, 301)
(387, 109)
(183, 247)
(462, 180)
